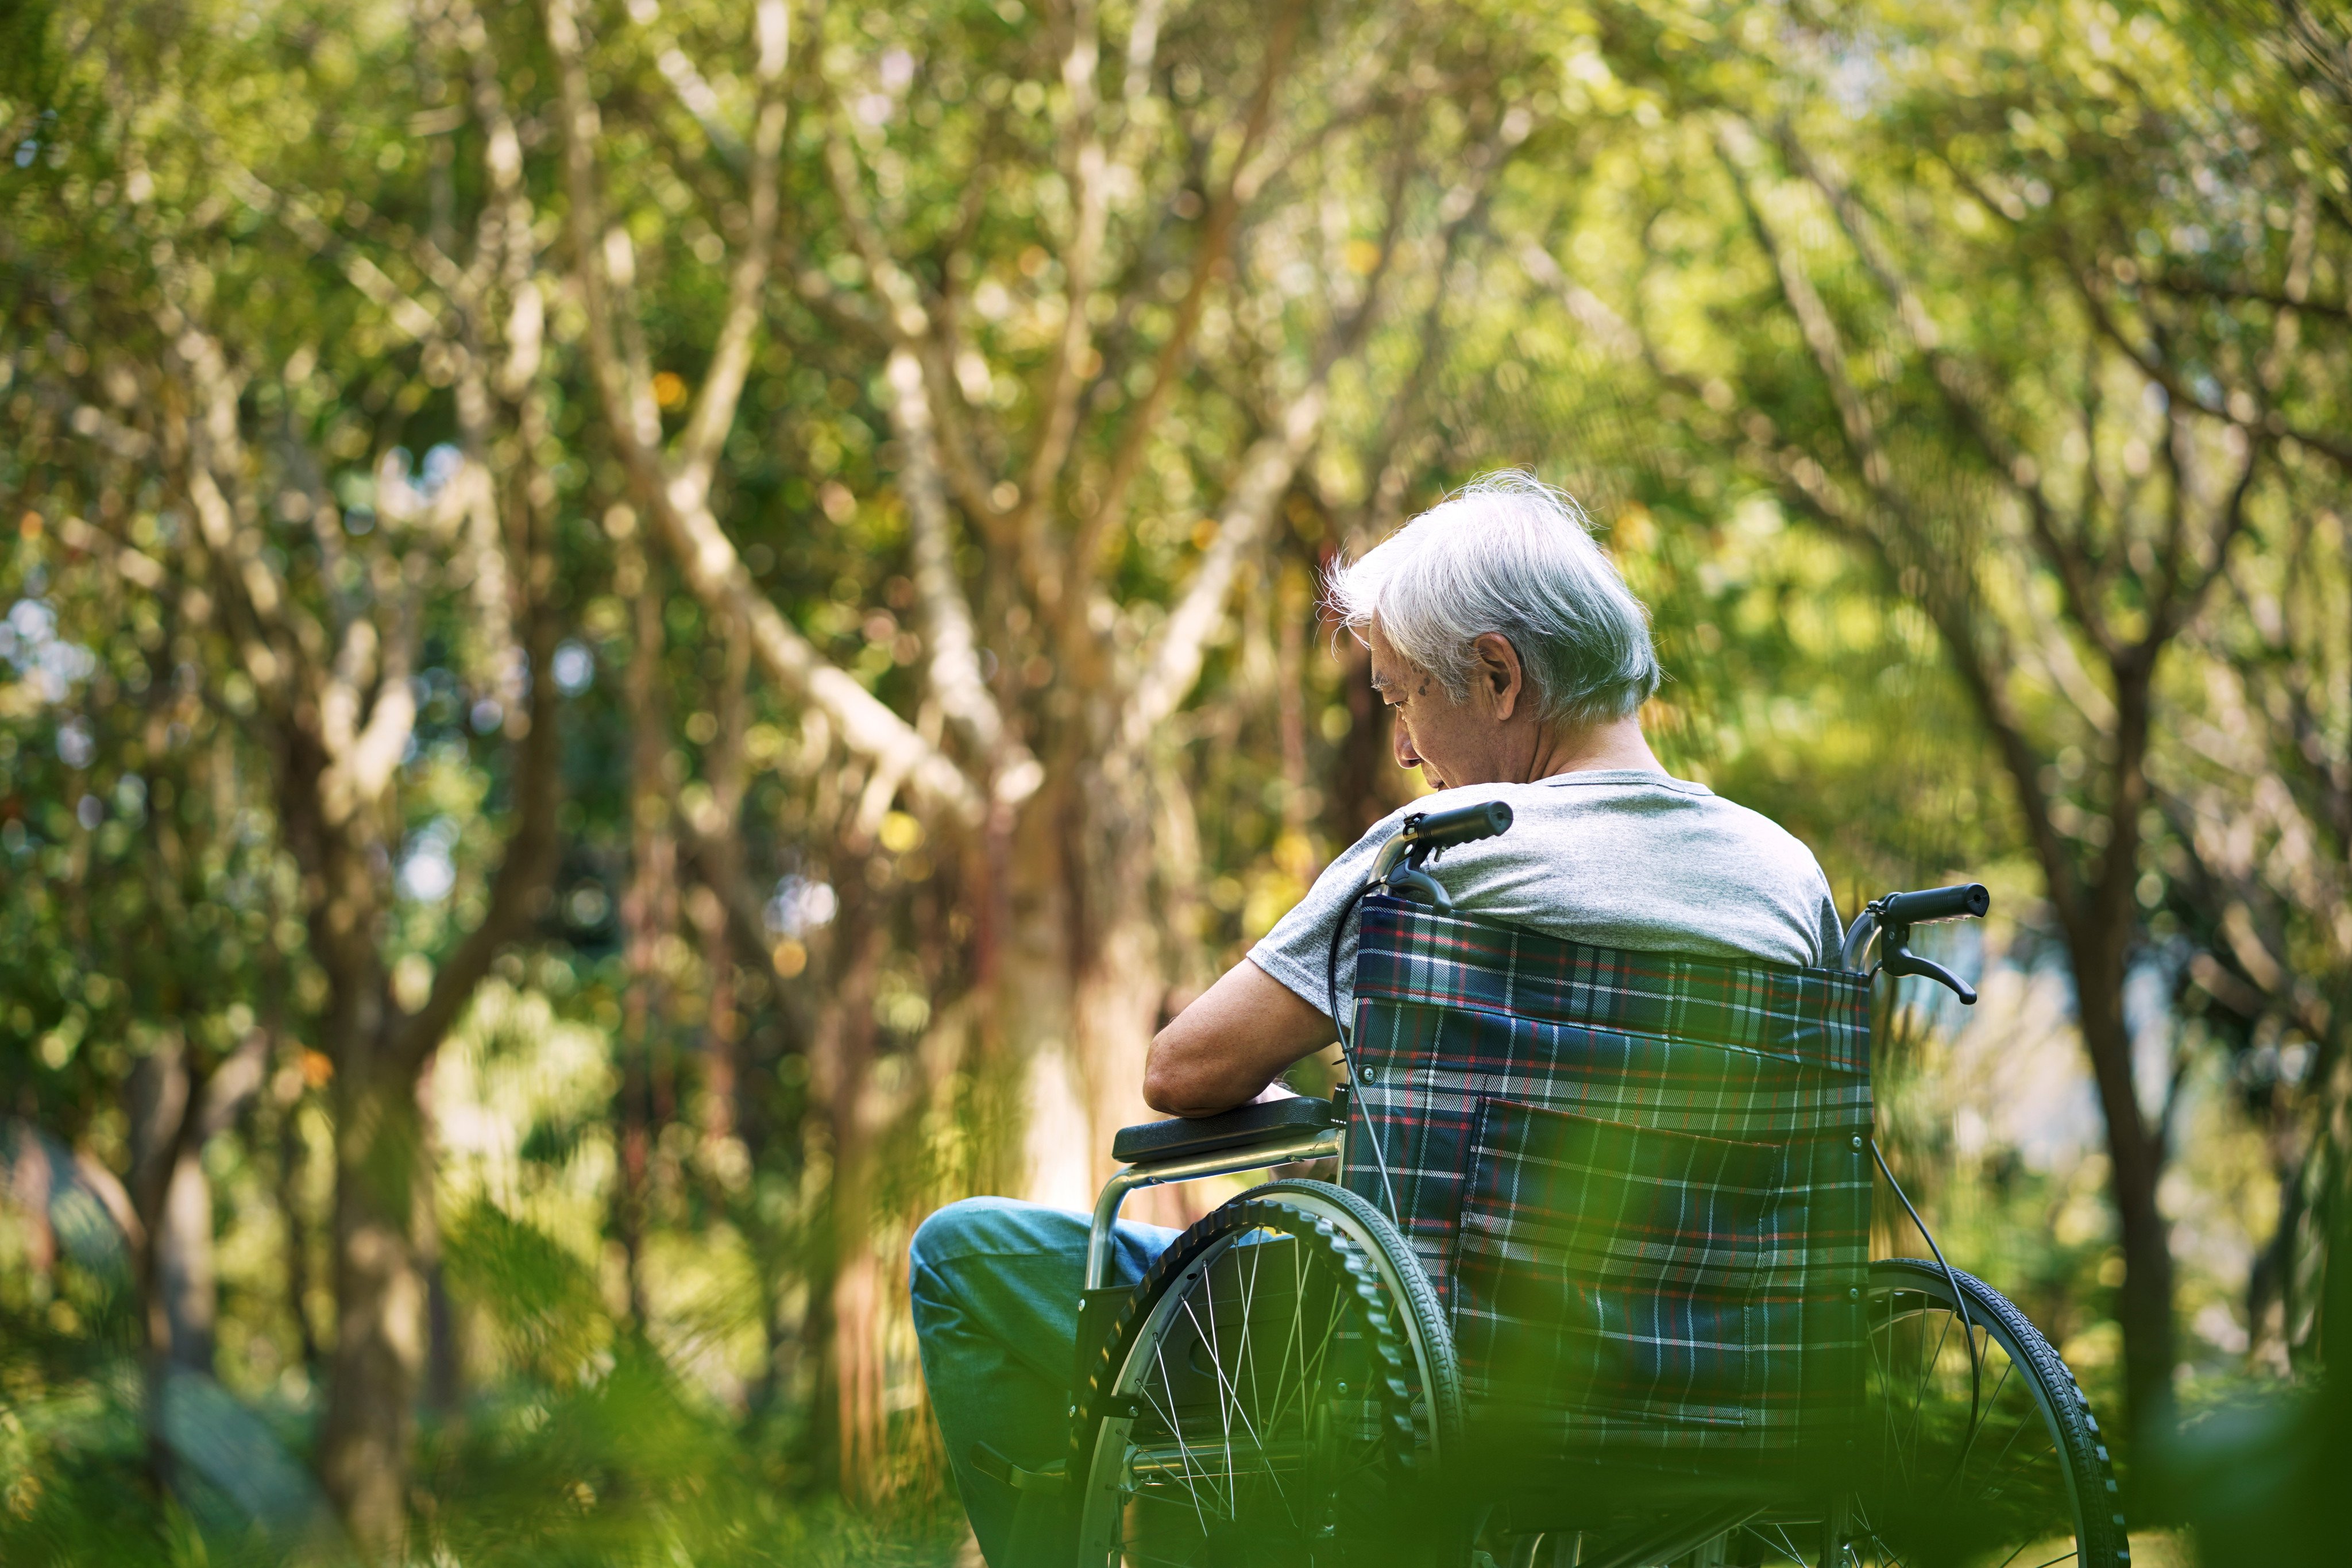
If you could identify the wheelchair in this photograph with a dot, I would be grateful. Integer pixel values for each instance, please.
(1592, 1288)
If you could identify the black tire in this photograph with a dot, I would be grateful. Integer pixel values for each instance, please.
(1188, 1466)
(1998, 1462)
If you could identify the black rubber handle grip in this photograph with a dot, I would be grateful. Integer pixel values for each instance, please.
(1463, 825)
(1933, 904)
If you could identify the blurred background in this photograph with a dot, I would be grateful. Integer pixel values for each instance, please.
(643, 638)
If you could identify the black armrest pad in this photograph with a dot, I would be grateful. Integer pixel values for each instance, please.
(1187, 1135)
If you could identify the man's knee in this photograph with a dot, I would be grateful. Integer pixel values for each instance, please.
(950, 1231)
(973, 1228)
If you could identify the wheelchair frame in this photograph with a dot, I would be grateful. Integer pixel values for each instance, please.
(1278, 1148)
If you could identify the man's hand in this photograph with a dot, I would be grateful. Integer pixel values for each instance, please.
(1230, 1043)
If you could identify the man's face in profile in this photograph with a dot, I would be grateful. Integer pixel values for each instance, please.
(1453, 743)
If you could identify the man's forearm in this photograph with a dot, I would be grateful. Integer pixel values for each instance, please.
(1232, 1042)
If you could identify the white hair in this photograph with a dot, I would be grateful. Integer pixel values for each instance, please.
(1507, 554)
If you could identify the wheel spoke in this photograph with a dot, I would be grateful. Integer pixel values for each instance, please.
(1250, 1356)
(1293, 1464)
(1998, 1460)
(1183, 1450)
(1230, 1407)
(1312, 1358)
(2015, 1491)
(1132, 1554)
(1989, 1404)
(1217, 1369)
(1926, 1370)
(1886, 1364)
(1778, 1540)
(2050, 1446)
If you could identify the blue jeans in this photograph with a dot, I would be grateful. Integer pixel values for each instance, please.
(995, 1285)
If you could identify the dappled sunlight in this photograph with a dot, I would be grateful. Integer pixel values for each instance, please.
(640, 643)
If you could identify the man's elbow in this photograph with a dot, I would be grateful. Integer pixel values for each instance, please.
(1163, 1085)
(1170, 1085)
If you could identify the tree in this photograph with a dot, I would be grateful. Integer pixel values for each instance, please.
(2054, 463)
(231, 310)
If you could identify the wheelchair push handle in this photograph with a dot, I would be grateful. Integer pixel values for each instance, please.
(1933, 904)
(1464, 825)
(1397, 868)
(1889, 921)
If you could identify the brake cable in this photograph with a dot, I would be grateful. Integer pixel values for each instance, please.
(1866, 927)
(1959, 1303)
(1347, 1047)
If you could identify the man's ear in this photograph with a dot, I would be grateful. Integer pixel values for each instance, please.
(1500, 670)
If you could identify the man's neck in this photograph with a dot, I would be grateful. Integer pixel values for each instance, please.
(1615, 745)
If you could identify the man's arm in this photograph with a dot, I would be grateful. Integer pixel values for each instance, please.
(1230, 1043)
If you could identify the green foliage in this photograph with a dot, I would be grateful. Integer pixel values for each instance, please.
(664, 1141)
(541, 1300)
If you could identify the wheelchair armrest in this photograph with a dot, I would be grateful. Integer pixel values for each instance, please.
(1183, 1136)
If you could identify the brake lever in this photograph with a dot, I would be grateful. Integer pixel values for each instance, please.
(1413, 883)
(1399, 873)
(1897, 958)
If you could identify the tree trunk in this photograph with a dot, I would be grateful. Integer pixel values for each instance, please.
(1036, 1004)
(2135, 1159)
(841, 1053)
(185, 1285)
(2103, 933)
(723, 1026)
(857, 1352)
(727, 770)
(380, 1315)
(648, 910)
(1366, 783)
(1083, 982)
(1117, 1004)
(444, 1358)
(1120, 977)
(163, 1183)
(290, 1204)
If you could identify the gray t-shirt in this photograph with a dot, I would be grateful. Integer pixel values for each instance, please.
(1613, 858)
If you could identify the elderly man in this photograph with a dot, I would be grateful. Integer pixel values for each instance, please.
(1515, 660)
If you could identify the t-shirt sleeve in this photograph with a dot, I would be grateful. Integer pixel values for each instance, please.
(1833, 932)
(1298, 947)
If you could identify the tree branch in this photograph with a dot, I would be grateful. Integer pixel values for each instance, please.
(955, 671)
(2179, 281)
(524, 868)
(705, 556)
(1265, 474)
(908, 323)
(211, 447)
(955, 662)
(2066, 557)
(2152, 365)
(731, 360)
(409, 316)
(1216, 240)
(1089, 177)
(1801, 480)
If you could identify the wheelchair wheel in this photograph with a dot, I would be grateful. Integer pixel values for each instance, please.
(1280, 1389)
(1999, 1462)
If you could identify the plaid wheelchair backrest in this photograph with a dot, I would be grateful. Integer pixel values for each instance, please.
(1640, 1181)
